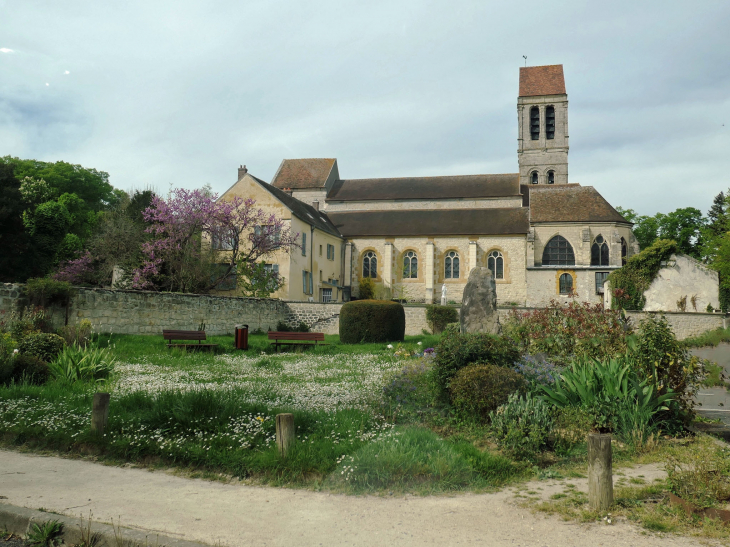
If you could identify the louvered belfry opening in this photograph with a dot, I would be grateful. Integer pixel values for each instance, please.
(550, 122)
(535, 123)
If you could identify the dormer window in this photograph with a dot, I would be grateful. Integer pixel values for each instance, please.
(550, 122)
(535, 123)
(533, 177)
(551, 177)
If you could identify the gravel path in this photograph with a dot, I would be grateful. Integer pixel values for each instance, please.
(236, 515)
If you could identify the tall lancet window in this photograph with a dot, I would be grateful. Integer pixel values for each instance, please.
(451, 265)
(535, 123)
(533, 177)
(599, 252)
(551, 177)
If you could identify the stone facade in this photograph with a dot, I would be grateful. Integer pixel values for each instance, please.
(543, 155)
(683, 276)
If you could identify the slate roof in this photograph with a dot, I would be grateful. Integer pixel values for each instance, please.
(568, 203)
(438, 222)
(303, 173)
(301, 210)
(453, 187)
(542, 80)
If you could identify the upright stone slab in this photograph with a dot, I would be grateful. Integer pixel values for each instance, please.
(479, 304)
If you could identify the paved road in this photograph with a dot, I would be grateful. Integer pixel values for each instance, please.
(238, 515)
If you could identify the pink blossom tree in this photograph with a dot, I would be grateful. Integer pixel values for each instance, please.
(198, 242)
(77, 271)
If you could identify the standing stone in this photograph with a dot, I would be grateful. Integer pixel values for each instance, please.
(479, 304)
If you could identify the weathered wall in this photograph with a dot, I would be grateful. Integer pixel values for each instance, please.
(683, 276)
(139, 312)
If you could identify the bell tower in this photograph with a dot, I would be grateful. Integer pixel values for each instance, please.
(542, 117)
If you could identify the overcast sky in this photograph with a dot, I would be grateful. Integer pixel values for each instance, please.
(182, 92)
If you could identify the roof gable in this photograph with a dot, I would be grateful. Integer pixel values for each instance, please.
(542, 80)
(305, 173)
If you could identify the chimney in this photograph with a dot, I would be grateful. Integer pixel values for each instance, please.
(315, 204)
(242, 171)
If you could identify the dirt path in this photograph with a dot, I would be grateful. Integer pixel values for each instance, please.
(237, 515)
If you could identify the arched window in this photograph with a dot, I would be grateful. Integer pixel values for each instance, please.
(533, 177)
(451, 265)
(370, 265)
(566, 283)
(495, 263)
(624, 252)
(599, 252)
(558, 252)
(551, 177)
(410, 265)
(550, 122)
(535, 123)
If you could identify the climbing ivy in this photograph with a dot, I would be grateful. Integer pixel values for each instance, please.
(630, 282)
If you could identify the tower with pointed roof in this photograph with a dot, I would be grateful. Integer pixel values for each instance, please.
(542, 116)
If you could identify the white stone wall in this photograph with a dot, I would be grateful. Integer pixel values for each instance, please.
(683, 277)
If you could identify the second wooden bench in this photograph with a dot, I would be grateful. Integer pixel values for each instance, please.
(296, 339)
(199, 335)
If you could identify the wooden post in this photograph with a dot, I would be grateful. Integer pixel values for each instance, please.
(285, 432)
(99, 412)
(600, 472)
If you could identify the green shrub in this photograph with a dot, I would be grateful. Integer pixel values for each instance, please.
(630, 282)
(612, 392)
(479, 389)
(451, 329)
(699, 476)
(76, 364)
(455, 351)
(25, 368)
(44, 345)
(372, 321)
(522, 426)
(79, 335)
(44, 291)
(366, 289)
(665, 361)
(410, 391)
(31, 320)
(440, 316)
(571, 426)
(6, 359)
(565, 332)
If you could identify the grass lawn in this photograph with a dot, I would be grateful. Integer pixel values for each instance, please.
(213, 413)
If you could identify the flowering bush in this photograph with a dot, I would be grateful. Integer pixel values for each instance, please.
(562, 332)
(536, 370)
(410, 390)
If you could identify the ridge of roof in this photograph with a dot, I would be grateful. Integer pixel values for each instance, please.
(433, 187)
(542, 80)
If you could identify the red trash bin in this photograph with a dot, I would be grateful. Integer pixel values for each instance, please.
(241, 337)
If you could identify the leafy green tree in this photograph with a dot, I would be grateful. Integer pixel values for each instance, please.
(717, 219)
(684, 226)
(14, 241)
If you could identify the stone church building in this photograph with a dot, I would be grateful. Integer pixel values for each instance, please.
(542, 236)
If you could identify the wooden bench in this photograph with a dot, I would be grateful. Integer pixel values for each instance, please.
(199, 335)
(296, 339)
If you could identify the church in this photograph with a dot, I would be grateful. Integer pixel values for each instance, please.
(543, 237)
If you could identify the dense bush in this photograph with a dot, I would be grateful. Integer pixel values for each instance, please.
(44, 291)
(563, 332)
(665, 362)
(44, 345)
(479, 389)
(366, 289)
(6, 358)
(372, 321)
(537, 370)
(456, 351)
(440, 316)
(30, 321)
(410, 391)
(522, 426)
(20, 368)
(634, 278)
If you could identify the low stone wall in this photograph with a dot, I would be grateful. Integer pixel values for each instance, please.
(142, 312)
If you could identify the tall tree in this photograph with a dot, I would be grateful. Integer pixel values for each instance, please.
(14, 241)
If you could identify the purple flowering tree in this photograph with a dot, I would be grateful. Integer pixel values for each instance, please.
(77, 271)
(199, 243)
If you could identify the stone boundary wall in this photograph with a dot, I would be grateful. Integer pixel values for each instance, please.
(144, 312)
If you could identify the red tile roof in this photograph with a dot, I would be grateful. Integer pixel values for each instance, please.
(542, 80)
(303, 173)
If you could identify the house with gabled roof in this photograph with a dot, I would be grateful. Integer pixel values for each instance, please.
(542, 237)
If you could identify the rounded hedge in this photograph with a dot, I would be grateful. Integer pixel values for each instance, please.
(43, 345)
(480, 389)
(372, 321)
